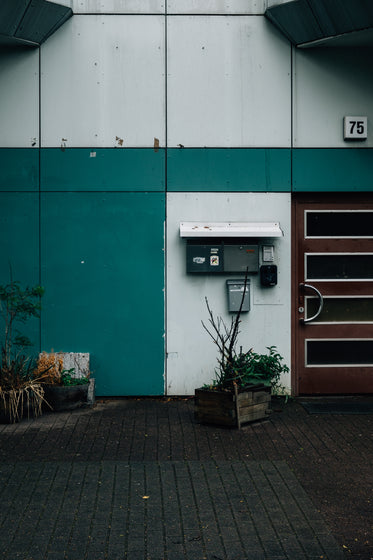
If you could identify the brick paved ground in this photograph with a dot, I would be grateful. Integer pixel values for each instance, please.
(139, 479)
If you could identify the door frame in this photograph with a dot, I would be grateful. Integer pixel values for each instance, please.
(310, 198)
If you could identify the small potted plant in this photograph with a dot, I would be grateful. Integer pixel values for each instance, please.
(21, 392)
(241, 390)
(64, 389)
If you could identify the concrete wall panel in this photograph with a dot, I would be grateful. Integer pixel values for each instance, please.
(19, 94)
(19, 249)
(330, 83)
(216, 6)
(103, 83)
(19, 237)
(19, 169)
(191, 354)
(228, 82)
(219, 169)
(332, 170)
(118, 6)
(81, 169)
(103, 269)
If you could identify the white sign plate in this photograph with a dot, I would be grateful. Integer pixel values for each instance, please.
(355, 128)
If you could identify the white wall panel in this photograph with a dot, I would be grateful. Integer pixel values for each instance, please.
(271, 3)
(103, 80)
(173, 6)
(228, 82)
(216, 6)
(118, 6)
(19, 94)
(330, 83)
(191, 354)
(68, 3)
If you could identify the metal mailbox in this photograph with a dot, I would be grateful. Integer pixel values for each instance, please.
(235, 289)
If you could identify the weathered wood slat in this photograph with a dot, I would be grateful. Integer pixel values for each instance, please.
(253, 413)
(253, 398)
(227, 409)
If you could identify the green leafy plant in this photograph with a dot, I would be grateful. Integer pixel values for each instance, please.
(241, 369)
(18, 385)
(250, 368)
(68, 379)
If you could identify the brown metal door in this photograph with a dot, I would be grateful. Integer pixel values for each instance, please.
(332, 315)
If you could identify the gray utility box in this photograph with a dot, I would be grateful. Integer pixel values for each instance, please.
(235, 289)
(239, 258)
(219, 256)
(205, 258)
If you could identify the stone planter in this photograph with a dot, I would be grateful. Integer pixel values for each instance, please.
(223, 408)
(61, 398)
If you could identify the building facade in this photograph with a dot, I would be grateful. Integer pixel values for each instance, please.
(135, 118)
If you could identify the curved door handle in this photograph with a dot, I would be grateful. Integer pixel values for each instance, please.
(321, 302)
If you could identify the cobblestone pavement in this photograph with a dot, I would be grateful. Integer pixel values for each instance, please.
(139, 479)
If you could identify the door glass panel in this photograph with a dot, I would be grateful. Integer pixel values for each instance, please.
(341, 310)
(339, 352)
(339, 224)
(339, 267)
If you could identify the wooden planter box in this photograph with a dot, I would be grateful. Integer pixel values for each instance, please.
(232, 410)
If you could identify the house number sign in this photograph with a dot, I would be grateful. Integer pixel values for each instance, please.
(355, 128)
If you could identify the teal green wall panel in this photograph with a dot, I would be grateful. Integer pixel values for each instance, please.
(344, 169)
(19, 249)
(228, 169)
(19, 236)
(97, 169)
(19, 169)
(188, 169)
(102, 264)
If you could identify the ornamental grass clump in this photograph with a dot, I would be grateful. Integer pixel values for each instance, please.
(238, 370)
(19, 388)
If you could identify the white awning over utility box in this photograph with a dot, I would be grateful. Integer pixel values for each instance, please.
(230, 229)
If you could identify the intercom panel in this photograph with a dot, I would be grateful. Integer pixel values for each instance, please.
(268, 275)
